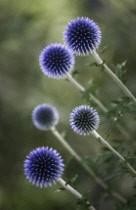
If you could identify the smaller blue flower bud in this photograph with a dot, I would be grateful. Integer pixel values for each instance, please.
(44, 116)
(84, 119)
(43, 166)
(56, 60)
(82, 35)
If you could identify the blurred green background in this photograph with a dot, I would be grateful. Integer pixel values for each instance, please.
(25, 28)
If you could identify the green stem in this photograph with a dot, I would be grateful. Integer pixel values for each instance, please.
(113, 76)
(73, 191)
(82, 89)
(117, 154)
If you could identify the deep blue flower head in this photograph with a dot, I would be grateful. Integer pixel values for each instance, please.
(43, 166)
(84, 119)
(82, 35)
(44, 116)
(56, 60)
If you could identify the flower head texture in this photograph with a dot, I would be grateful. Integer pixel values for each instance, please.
(44, 116)
(43, 166)
(84, 119)
(56, 60)
(82, 35)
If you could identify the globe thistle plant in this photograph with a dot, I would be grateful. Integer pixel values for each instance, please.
(43, 166)
(82, 35)
(56, 60)
(70, 150)
(44, 116)
(84, 119)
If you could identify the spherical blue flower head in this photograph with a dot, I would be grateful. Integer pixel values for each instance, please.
(56, 60)
(82, 35)
(44, 116)
(43, 166)
(84, 119)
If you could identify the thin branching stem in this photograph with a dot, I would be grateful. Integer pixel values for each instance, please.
(85, 166)
(117, 154)
(82, 89)
(113, 76)
(73, 191)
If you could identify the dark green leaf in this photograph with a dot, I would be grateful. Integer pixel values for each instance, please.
(103, 50)
(120, 71)
(72, 181)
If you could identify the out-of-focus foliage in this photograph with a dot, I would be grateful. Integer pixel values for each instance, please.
(25, 28)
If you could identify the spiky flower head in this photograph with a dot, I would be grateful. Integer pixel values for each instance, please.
(43, 166)
(84, 119)
(45, 116)
(56, 60)
(82, 35)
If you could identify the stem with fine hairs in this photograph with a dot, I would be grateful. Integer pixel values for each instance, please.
(82, 89)
(117, 154)
(73, 191)
(113, 76)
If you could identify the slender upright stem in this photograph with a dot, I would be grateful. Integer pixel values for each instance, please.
(65, 144)
(82, 89)
(113, 76)
(131, 169)
(84, 165)
(73, 191)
